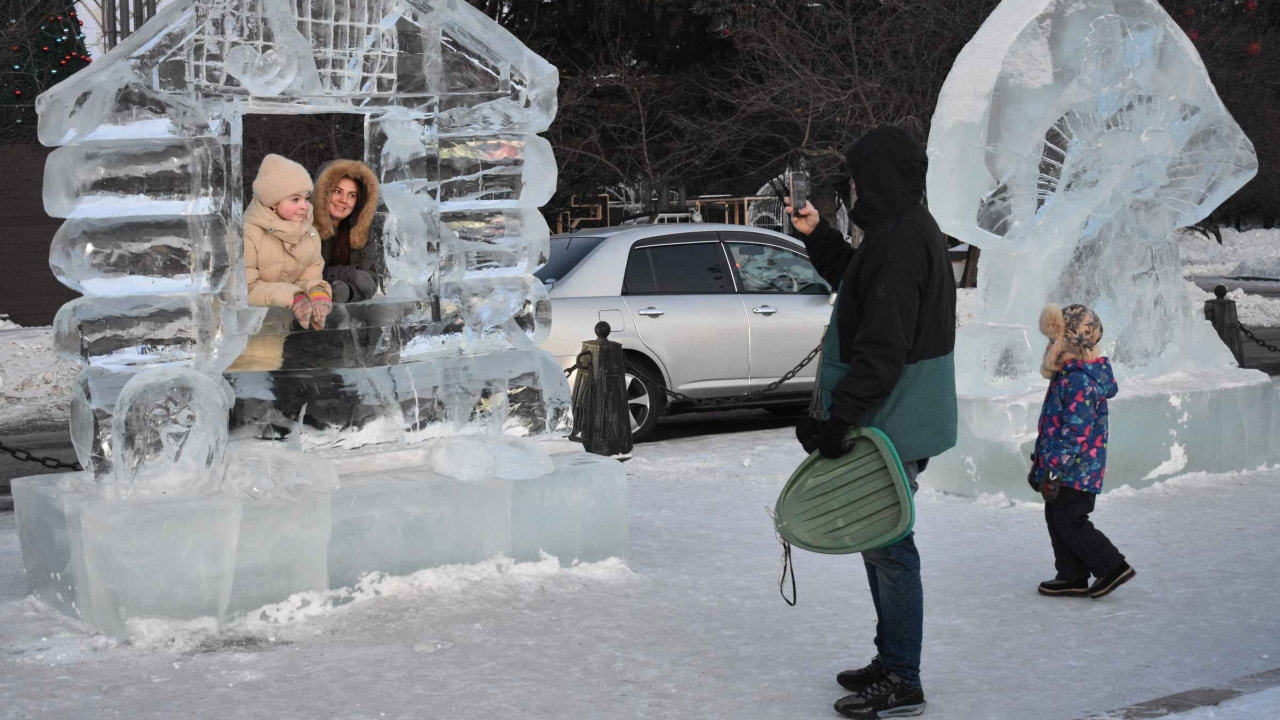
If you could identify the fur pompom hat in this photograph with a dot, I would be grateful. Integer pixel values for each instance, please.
(278, 178)
(1074, 333)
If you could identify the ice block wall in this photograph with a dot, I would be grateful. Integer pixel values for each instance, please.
(147, 173)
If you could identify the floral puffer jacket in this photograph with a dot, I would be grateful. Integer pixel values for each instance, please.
(1072, 441)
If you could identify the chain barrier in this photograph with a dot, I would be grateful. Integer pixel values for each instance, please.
(1257, 339)
(51, 463)
(582, 362)
(736, 399)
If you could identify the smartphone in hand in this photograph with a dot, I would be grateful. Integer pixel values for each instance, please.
(799, 191)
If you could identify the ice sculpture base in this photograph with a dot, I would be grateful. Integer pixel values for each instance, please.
(1202, 421)
(107, 562)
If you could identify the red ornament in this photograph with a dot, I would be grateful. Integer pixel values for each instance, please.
(17, 93)
(1190, 12)
(1250, 5)
(1255, 47)
(15, 48)
(72, 13)
(45, 48)
(1194, 35)
(62, 62)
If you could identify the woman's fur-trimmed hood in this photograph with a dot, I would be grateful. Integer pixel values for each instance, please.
(362, 218)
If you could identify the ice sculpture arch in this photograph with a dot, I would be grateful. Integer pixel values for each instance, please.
(147, 173)
(1069, 141)
(1071, 161)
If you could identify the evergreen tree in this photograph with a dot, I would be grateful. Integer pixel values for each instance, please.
(41, 43)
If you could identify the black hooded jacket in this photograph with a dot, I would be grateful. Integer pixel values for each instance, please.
(895, 313)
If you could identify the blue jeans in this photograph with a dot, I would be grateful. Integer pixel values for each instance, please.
(893, 573)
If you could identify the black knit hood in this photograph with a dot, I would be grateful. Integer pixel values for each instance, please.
(888, 167)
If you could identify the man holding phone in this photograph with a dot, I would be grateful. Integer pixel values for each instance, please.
(886, 363)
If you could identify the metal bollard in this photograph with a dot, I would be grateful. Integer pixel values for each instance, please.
(1221, 312)
(601, 421)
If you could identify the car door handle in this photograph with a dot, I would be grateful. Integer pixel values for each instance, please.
(651, 312)
(764, 310)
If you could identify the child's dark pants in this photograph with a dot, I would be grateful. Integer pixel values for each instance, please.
(1079, 549)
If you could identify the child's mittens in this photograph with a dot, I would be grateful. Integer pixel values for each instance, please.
(321, 305)
(302, 309)
(1049, 488)
(1031, 474)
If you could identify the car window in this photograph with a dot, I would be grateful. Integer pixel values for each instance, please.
(676, 269)
(566, 253)
(768, 269)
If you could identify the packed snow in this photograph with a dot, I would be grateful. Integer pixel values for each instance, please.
(1251, 253)
(692, 626)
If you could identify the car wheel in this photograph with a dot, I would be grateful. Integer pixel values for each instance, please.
(644, 400)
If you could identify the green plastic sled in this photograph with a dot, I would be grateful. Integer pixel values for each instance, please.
(859, 501)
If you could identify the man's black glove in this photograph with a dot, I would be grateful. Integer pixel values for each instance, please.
(807, 431)
(1031, 474)
(831, 438)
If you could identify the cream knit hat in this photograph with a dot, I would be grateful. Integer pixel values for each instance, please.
(278, 178)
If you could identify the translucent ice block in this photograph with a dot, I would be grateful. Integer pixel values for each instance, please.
(168, 558)
(283, 548)
(48, 508)
(483, 172)
(139, 331)
(497, 242)
(517, 392)
(137, 177)
(578, 512)
(1205, 421)
(142, 255)
(403, 521)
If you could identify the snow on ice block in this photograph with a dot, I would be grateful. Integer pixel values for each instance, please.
(578, 512)
(49, 532)
(169, 558)
(1191, 421)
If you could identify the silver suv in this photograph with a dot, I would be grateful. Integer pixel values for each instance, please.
(710, 311)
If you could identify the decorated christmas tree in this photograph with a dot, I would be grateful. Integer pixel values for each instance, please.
(41, 42)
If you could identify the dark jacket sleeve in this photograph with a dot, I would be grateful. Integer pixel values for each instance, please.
(828, 252)
(890, 311)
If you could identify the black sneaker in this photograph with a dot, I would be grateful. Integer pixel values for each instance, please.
(1070, 588)
(889, 696)
(858, 680)
(1114, 579)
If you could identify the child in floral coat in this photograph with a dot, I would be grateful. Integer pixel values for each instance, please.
(1071, 453)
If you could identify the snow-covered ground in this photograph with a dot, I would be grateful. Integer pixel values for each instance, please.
(1252, 253)
(692, 625)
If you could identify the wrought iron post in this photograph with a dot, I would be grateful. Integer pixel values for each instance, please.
(1221, 312)
(601, 421)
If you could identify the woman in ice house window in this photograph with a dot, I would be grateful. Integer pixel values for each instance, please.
(346, 195)
(282, 262)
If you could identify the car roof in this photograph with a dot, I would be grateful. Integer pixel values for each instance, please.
(637, 232)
